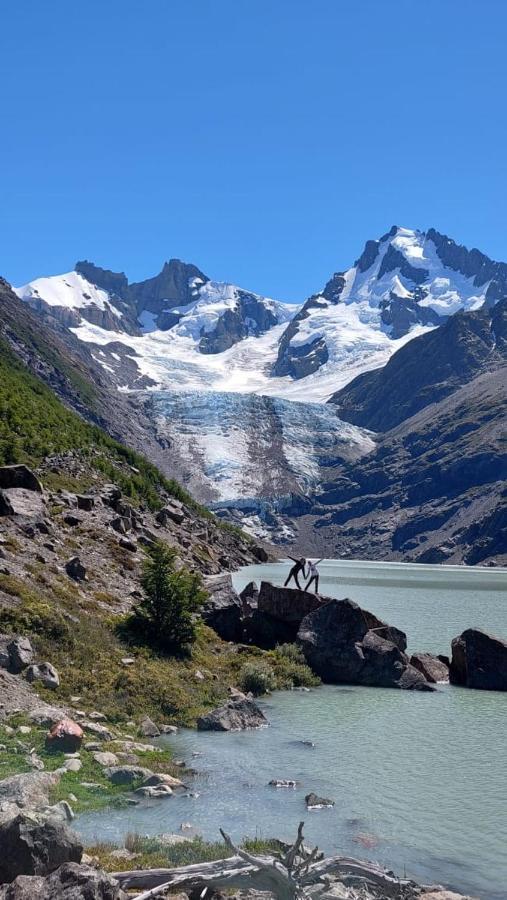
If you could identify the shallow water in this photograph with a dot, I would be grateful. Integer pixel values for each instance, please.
(419, 780)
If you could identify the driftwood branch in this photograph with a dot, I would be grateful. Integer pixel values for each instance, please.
(288, 877)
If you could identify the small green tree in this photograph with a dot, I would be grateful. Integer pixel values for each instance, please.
(164, 617)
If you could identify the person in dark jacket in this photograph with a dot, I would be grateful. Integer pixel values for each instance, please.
(298, 568)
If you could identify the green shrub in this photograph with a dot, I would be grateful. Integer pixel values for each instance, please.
(291, 652)
(257, 678)
(164, 618)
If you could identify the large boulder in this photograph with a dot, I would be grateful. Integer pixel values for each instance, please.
(479, 660)
(21, 502)
(233, 716)
(345, 644)
(29, 790)
(66, 735)
(20, 652)
(126, 774)
(19, 476)
(279, 613)
(434, 669)
(70, 881)
(223, 608)
(35, 845)
(45, 673)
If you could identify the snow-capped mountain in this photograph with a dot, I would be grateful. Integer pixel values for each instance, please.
(221, 364)
(181, 330)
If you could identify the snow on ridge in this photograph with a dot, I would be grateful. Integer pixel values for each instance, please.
(71, 291)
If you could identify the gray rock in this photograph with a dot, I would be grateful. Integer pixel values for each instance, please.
(44, 672)
(85, 501)
(98, 730)
(35, 845)
(23, 503)
(20, 653)
(155, 791)
(148, 728)
(233, 716)
(30, 790)
(69, 882)
(223, 610)
(72, 520)
(345, 644)
(126, 774)
(479, 660)
(172, 512)
(19, 476)
(105, 758)
(433, 668)
(313, 801)
(75, 569)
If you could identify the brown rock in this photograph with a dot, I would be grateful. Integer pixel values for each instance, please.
(66, 735)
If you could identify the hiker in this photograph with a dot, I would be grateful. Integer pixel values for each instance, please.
(314, 575)
(299, 566)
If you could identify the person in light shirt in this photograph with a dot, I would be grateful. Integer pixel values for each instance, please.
(314, 575)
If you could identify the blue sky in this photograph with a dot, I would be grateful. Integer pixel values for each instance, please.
(264, 141)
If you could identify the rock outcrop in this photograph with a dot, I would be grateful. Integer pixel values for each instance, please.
(35, 845)
(279, 613)
(70, 881)
(345, 644)
(235, 715)
(479, 660)
(223, 608)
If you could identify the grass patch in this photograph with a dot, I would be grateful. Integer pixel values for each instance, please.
(153, 853)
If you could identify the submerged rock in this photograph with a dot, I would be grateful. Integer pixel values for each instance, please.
(313, 801)
(479, 660)
(345, 644)
(233, 716)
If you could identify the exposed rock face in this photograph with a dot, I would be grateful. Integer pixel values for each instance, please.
(427, 369)
(250, 316)
(433, 668)
(34, 845)
(346, 644)
(69, 882)
(223, 609)
(479, 661)
(29, 790)
(19, 476)
(233, 716)
(279, 613)
(21, 502)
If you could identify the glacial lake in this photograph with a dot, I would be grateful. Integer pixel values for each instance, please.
(419, 780)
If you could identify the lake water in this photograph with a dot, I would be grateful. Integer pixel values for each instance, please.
(419, 780)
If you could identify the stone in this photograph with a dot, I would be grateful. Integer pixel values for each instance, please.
(105, 758)
(97, 716)
(19, 476)
(75, 569)
(20, 653)
(45, 673)
(156, 791)
(73, 765)
(125, 544)
(283, 783)
(126, 774)
(158, 778)
(127, 661)
(313, 801)
(72, 520)
(30, 790)
(168, 729)
(121, 524)
(111, 493)
(148, 728)
(85, 501)
(98, 730)
(172, 512)
(223, 610)
(23, 503)
(34, 845)
(479, 660)
(69, 882)
(433, 668)
(234, 715)
(345, 644)
(24, 729)
(279, 613)
(66, 735)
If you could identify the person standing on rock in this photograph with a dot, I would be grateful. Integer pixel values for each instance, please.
(314, 575)
(298, 567)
